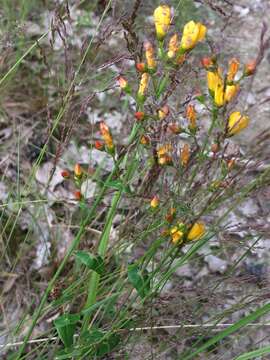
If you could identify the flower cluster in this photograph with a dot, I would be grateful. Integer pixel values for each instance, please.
(156, 121)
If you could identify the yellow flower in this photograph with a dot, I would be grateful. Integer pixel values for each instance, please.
(233, 68)
(219, 95)
(230, 92)
(173, 46)
(177, 235)
(191, 115)
(237, 122)
(149, 54)
(185, 155)
(196, 232)
(192, 34)
(143, 84)
(162, 19)
(212, 79)
(154, 202)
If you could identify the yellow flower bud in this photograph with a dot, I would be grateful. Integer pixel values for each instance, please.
(233, 68)
(162, 19)
(236, 123)
(196, 232)
(149, 54)
(173, 46)
(212, 79)
(185, 155)
(230, 92)
(143, 84)
(78, 170)
(192, 34)
(163, 112)
(154, 202)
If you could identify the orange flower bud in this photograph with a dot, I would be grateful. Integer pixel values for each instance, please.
(206, 62)
(163, 112)
(145, 140)
(143, 85)
(233, 68)
(78, 170)
(230, 163)
(141, 67)
(106, 135)
(185, 155)
(215, 148)
(99, 145)
(165, 232)
(250, 68)
(77, 195)
(170, 215)
(122, 82)
(154, 202)
(139, 115)
(65, 174)
(173, 46)
(181, 59)
(191, 115)
(174, 128)
(149, 54)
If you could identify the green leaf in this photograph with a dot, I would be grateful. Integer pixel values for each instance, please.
(255, 353)
(109, 301)
(65, 326)
(201, 99)
(141, 282)
(94, 263)
(118, 185)
(69, 353)
(161, 86)
(98, 342)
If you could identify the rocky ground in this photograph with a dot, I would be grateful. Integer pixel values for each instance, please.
(211, 278)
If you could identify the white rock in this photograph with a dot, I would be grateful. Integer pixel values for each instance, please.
(216, 264)
(184, 271)
(88, 188)
(249, 208)
(44, 172)
(242, 11)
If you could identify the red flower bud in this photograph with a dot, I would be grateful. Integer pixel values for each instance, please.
(139, 115)
(141, 67)
(250, 68)
(99, 145)
(77, 195)
(206, 62)
(65, 174)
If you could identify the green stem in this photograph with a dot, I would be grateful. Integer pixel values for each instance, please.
(104, 240)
